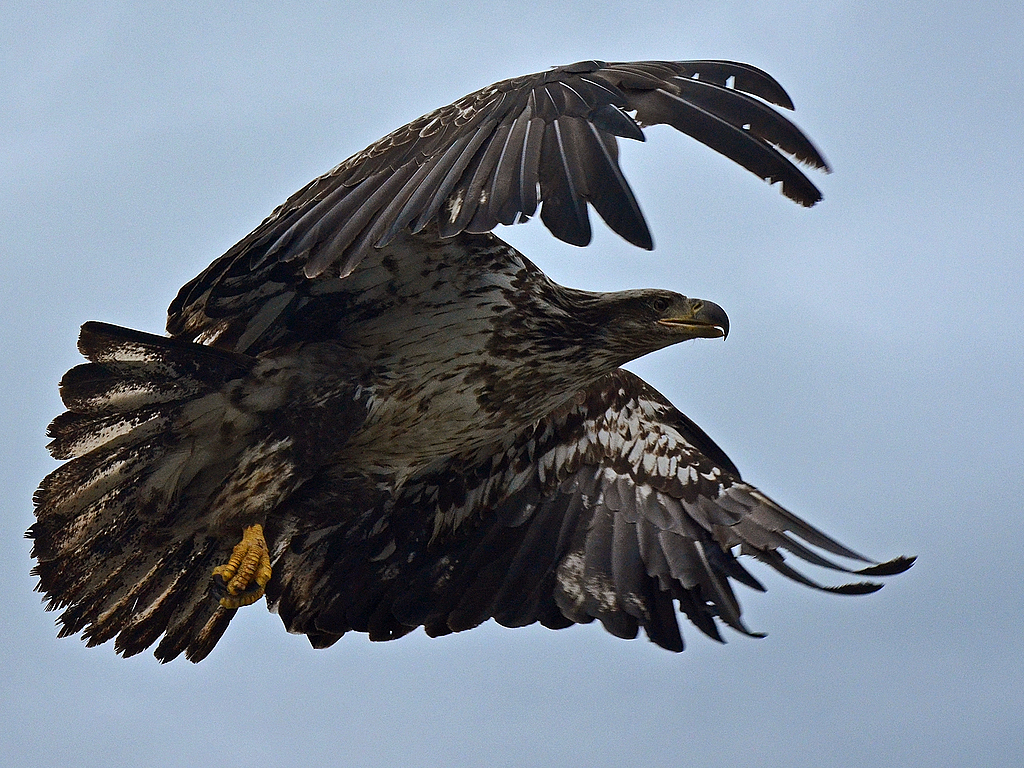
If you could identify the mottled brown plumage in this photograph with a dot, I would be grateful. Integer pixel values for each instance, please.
(425, 428)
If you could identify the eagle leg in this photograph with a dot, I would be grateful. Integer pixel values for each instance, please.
(245, 575)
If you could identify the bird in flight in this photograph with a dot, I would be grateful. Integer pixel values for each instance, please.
(379, 416)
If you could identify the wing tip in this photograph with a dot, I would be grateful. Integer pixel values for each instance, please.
(892, 567)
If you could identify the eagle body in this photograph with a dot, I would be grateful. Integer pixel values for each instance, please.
(405, 421)
(444, 345)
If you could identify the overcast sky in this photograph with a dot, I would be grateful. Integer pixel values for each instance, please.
(871, 381)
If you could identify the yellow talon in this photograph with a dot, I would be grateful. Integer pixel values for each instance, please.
(246, 573)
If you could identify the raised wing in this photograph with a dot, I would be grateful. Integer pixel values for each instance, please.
(494, 156)
(611, 509)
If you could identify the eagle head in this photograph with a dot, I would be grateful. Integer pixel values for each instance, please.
(630, 324)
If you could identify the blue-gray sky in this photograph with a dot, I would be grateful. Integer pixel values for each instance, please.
(871, 382)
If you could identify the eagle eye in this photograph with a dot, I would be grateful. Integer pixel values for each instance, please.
(660, 303)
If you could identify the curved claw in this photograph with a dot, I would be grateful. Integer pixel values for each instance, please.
(244, 577)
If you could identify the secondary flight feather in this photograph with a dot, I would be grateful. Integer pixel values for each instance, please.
(380, 416)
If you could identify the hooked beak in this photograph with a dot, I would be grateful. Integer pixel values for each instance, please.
(700, 319)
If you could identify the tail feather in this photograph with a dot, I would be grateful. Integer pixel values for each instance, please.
(122, 387)
(76, 434)
(102, 484)
(119, 538)
(193, 630)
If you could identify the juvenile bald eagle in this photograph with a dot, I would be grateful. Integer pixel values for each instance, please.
(383, 417)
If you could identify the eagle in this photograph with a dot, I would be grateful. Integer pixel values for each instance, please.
(378, 416)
